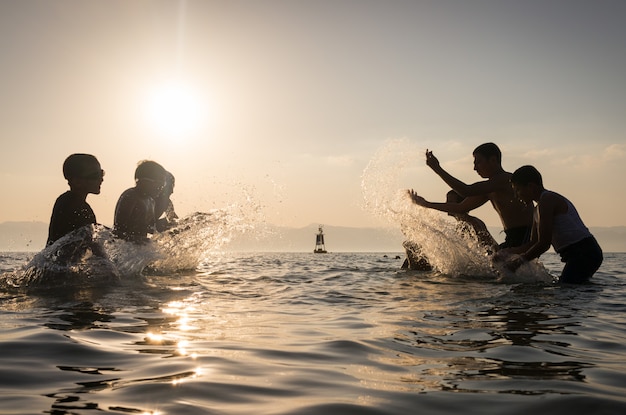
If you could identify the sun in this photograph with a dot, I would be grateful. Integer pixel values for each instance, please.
(175, 109)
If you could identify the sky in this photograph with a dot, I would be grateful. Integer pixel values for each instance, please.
(282, 105)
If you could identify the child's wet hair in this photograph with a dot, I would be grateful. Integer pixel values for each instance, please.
(78, 165)
(525, 175)
(149, 169)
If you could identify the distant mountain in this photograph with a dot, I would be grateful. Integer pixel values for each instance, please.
(611, 239)
(31, 236)
(346, 239)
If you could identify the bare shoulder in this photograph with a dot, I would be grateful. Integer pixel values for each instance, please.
(503, 177)
(501, 182)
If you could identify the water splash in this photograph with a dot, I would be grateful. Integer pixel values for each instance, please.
(448, 250)
(92, 256)
(188, 244)
(70, 261)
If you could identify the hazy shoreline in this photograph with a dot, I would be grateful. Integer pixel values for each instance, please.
(30, 237)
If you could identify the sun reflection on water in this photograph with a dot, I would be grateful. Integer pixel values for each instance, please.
(181, 310)
(196, 374)
(154, 338)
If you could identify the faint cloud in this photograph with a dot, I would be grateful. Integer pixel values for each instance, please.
(614, 152)
(457, 164)
(342, 161)
(571, 160)
(538, 154)
(611, 153)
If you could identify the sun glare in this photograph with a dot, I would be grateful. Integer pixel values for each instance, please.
(175, 109)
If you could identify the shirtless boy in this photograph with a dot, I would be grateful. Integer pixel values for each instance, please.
(516, 217)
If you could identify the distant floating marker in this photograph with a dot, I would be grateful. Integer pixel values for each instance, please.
(319, 242)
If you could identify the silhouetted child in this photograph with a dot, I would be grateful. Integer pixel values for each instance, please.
(71, 210)
(164, 206)
(467, 221)
(557, 223)
(135, 212)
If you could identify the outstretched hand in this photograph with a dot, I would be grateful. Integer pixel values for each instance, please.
(418, 200)
(431, 160)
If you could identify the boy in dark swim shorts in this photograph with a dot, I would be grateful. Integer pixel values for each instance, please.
(516, 237)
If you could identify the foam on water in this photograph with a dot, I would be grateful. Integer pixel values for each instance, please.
(88, 257)
(92, 256)
(449, 251)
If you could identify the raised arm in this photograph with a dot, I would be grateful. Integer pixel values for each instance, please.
(465, 206)
(453, 182)
(476, 189)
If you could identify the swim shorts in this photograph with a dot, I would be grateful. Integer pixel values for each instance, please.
(582, 259)
(516, 237)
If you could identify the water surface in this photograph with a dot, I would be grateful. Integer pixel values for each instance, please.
(299, 333)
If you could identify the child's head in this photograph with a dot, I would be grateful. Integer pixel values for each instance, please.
(453, 197)
(151, 176)
(527, 184)
(487, 160)
(83, 172)
(526, 175)
(168, 189)
(148, 169)
(488, 150)
(80, 165)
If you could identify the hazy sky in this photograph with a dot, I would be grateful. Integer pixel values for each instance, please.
(288, 101)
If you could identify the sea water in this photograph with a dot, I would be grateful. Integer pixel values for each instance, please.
(304, 333)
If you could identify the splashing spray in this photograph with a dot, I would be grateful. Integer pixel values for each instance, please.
(448, 249)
